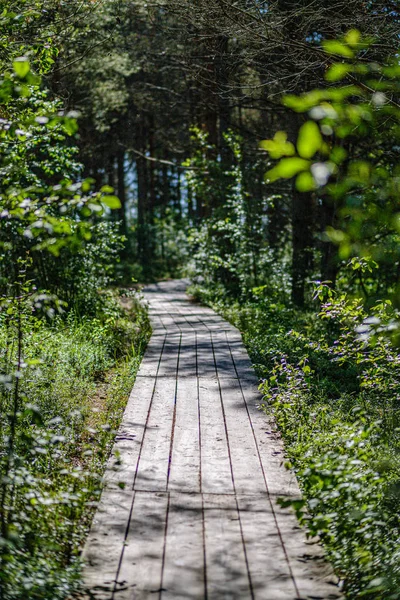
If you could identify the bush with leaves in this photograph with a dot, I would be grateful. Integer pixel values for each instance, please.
(64, 388)
(54, 365)
(343, 438)
(228, 243)
(44, 209)
(346, 153)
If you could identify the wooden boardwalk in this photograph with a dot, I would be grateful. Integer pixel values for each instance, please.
(189, 508)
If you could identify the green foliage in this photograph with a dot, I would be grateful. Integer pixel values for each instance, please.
(347, 150)
(64, 348)
(331, 381)
(228, 246)
(42, 207)
(344, 443)
(59, 413)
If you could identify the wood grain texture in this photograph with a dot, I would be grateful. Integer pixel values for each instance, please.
(185, 458)
(140, 573)
(226, 565)
(183, 575)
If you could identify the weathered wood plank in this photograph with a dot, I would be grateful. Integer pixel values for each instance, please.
(188, 356)
(185, 459)
(246, 466)
(153, 466)
(104, 546)
(205, 318)
(270, 574)
(184, 572)
(243, 364)
(312, 573)
(152, 357)
(216, 474)
(169, 359)
(205, 357)
(140, 574)
(226, 568)
(222, 356)
(195, 320)
(122, 465)
(279, 480)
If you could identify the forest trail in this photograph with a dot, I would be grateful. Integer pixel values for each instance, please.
(189, 510)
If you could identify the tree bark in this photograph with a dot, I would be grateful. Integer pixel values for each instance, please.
(302, 240)
(329, 254)
(122, 191)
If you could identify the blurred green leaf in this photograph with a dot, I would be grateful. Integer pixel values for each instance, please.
(287, 168)
(111, 201)
(352, 37)
(305, 182)
(309, 140)
(337, 47)
(21, 67)
(278, 146)
(338, 71)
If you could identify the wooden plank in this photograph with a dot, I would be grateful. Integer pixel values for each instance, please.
(270, 573)
(190, 323)
(205, 357)
(152, 471)
(211, 319)
(243, 364)
(157, 325)
(169, 323)
(216, 474)
(312, 574)
(104, 546)
(184, 574)
(199, 316)
(188, 356)
(280, 481)
(122, 464)
(140, 574)
(185, 459)
(152, 357)
(226, 568)
(195, 320)
(234, 335)
(222, 356)
(246, 466)
(169, 359)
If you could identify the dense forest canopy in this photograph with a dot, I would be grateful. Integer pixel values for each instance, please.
(157, 70)
(250, 145)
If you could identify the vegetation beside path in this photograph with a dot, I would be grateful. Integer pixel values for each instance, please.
(334, 397)
(69, 352)
(71, 396)
(174, 102)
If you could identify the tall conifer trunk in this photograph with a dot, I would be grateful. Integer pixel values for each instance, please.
(302, 242)
(122, 190)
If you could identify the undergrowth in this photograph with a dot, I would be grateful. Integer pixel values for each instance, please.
(75, 374)
(331, 380)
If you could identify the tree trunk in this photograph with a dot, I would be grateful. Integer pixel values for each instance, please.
(122, 191)
(302, 240)
(329, 257)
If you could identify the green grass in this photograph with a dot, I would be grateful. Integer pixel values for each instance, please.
(75, 380)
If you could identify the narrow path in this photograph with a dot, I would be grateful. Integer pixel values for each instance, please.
(189, 508)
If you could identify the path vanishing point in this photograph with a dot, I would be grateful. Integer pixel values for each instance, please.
(189, 509)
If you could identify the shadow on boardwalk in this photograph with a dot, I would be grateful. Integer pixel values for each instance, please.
(189, 507)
